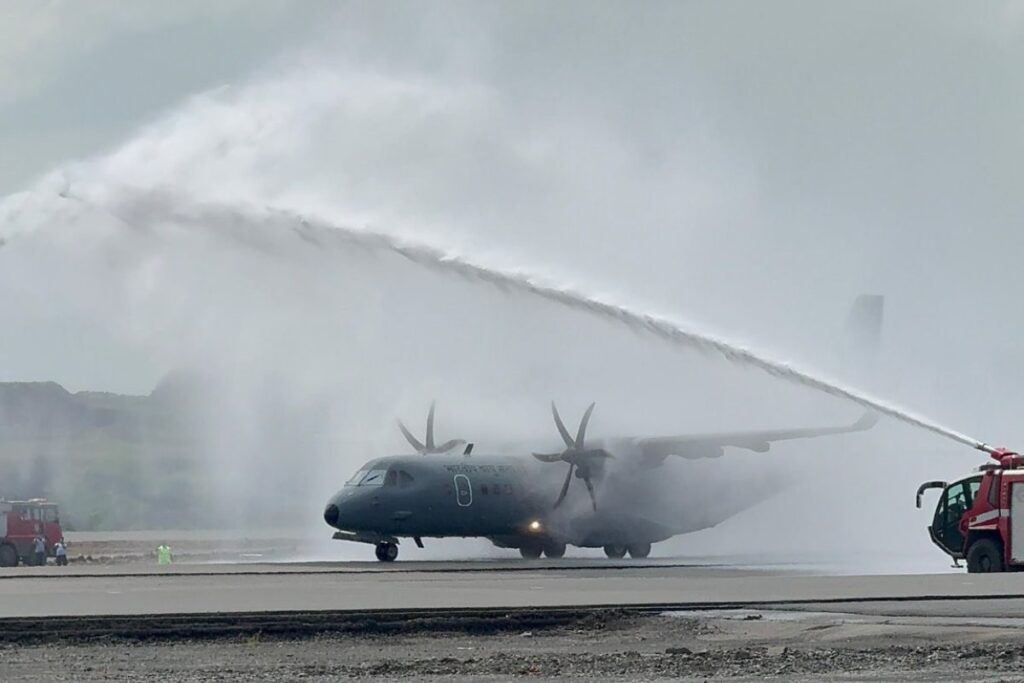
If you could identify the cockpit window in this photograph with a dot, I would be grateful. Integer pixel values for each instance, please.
(374, 478)
(392, 478)
(356, 478)
(404, 479)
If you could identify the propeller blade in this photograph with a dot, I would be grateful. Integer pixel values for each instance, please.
(590, 490)
(548, 457)
(430, 427)
(565, 486)
(413, 441)
(582, 433)
(448, 445)
(569, 443)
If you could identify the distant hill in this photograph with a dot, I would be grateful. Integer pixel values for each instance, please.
(111, 460)
(197, 452)
(45, 409)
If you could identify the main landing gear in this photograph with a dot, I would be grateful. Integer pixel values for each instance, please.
(635, 550)
(552, 549)
(387, 552)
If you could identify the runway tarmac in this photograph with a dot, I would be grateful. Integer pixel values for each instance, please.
(256, 588)
(585, 619)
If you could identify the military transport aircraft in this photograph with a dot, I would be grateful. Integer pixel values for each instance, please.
(516, 503)
(633, 498)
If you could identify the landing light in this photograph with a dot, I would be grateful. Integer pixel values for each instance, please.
(535, 525)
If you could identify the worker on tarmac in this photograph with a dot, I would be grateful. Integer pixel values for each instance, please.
(60, 552)
(163, 554)
(39, 550)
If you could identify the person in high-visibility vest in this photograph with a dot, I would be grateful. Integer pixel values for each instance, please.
(163, 554)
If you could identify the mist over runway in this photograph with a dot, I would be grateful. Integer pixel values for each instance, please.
(688, 161)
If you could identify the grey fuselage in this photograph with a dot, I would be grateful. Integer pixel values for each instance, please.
(509, 500)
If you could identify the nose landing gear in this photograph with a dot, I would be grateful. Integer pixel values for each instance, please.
(387, 552)
(531, 551)
(554, 550)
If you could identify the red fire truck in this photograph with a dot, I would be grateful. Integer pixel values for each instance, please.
(980, 517)
(21, 521)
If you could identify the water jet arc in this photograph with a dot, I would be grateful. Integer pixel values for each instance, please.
(250, 225)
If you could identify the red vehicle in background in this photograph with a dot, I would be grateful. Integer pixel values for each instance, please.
(21, 521)
(980, 517)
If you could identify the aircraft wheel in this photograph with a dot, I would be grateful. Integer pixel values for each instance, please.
(616, 552)
(387, 552)
(530, 552)
(554, 550)
(639, 550)
(8, 556)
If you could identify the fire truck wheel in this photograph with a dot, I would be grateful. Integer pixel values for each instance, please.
(387, 552)
(8, 556)
(984, 556)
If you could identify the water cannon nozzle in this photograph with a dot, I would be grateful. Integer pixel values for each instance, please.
(1006, 458)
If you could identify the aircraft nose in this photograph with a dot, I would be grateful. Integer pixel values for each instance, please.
(331, 514)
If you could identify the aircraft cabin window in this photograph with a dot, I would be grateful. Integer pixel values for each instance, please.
(373, 478)
(483, 489)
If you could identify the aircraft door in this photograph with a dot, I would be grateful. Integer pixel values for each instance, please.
(463, 491)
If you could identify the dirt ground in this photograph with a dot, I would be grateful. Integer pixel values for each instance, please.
(610, 646)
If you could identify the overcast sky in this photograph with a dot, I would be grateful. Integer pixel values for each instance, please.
(748, 165)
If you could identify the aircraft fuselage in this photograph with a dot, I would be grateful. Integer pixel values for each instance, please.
(509, 500)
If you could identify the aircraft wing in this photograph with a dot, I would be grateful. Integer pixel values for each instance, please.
(653, 450)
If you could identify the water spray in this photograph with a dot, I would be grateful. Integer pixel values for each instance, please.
(260, 227)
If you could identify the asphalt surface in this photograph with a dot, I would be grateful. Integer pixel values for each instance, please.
(577, 619)
(209, 589)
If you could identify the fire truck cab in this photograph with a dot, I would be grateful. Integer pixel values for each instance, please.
(21, 521)
(980, 518)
